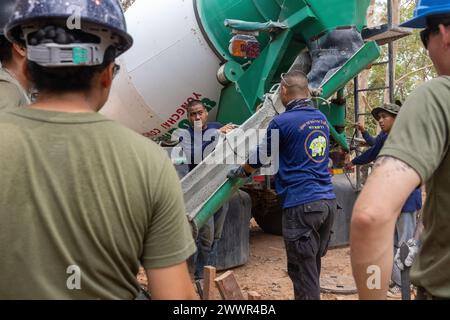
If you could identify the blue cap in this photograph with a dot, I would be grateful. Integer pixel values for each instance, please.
(425, 9)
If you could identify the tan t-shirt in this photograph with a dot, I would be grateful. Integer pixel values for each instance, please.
(82, 195)
(12, 95)
(420, 137)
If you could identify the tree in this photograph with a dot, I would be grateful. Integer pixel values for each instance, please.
(127, 3)
(412, 66)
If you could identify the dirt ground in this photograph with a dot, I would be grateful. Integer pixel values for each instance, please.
(266, 270)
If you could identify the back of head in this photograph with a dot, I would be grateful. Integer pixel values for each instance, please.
(296, 83)
(67, 44)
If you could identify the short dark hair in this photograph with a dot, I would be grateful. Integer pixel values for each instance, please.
(67, 79)
(5, 50)
(435, 20)
(193, 103)
(295, 81)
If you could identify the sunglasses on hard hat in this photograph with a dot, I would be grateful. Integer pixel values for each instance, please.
(425, 33)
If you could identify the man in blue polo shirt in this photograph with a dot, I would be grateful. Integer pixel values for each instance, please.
(198, 141)
(303, 183)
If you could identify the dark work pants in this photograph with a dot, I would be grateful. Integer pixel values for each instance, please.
(307, 232)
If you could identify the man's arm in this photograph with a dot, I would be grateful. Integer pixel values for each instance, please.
(171, 283)
(256, 160)
(373, 222)
(371, 154)
(369, 139)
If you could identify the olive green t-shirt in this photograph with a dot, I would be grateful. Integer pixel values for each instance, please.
(12, 95)
(420, 137)
(84, 201)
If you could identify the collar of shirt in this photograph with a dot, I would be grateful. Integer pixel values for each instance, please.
(299, 103)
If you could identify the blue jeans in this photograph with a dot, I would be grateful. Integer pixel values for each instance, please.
(404, 230)
(208, 238)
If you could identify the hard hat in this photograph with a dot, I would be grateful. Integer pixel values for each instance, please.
(6, 10)
(88, 29)
(391, 108)
(425, 9)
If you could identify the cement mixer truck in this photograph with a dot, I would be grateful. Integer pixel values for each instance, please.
(230, 54)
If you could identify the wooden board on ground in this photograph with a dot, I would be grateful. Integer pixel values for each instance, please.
(228, 287)
(252, 295)
(209, 285)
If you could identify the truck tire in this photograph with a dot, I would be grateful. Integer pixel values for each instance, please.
(266, 210)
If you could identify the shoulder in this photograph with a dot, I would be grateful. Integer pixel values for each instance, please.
(214, 125)
(9, 90)
(431, 98)
(435, 89)
(128, 139)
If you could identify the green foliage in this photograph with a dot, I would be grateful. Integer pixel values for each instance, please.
(127, 3)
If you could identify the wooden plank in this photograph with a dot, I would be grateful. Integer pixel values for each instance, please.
(228, 287)
(209, 285)
(253, 295)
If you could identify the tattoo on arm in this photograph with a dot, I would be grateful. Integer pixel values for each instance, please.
(398, 164)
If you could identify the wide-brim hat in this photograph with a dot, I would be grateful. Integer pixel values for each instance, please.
(387, 107)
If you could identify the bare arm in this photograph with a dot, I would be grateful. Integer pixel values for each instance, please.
(373, 221)
(171, 283)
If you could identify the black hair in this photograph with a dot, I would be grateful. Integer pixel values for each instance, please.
(65, 79)
(5, 50)
(194, 103)
(295, 79)
(436, 20)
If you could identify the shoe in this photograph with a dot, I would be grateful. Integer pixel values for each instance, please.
(395, 292)
(199, 285)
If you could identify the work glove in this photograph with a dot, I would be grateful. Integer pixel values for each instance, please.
(315, 92)
(413, 246)
(238, 172)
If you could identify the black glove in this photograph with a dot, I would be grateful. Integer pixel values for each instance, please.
(238, 172)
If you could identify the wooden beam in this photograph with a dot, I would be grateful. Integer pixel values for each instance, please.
(209, 285)
(252, 295)
(228, 287)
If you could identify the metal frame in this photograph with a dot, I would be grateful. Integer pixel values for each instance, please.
(390, 86)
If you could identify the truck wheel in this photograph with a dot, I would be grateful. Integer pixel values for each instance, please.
(266, 209)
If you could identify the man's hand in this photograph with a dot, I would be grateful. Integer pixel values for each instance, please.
(413, 250)
(348, 165)
(238, 172)
(315, 92)
(360, 127)
(227, 128)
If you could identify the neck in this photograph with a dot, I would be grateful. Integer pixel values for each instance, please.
(16, 69)
(67, 102)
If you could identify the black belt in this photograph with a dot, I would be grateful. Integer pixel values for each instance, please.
(423, 294)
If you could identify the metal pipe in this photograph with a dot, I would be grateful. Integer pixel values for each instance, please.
(391, 55)
(373, 89)
(356, 95)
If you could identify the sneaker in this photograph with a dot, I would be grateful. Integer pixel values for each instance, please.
(199, 285)
(395, 292)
